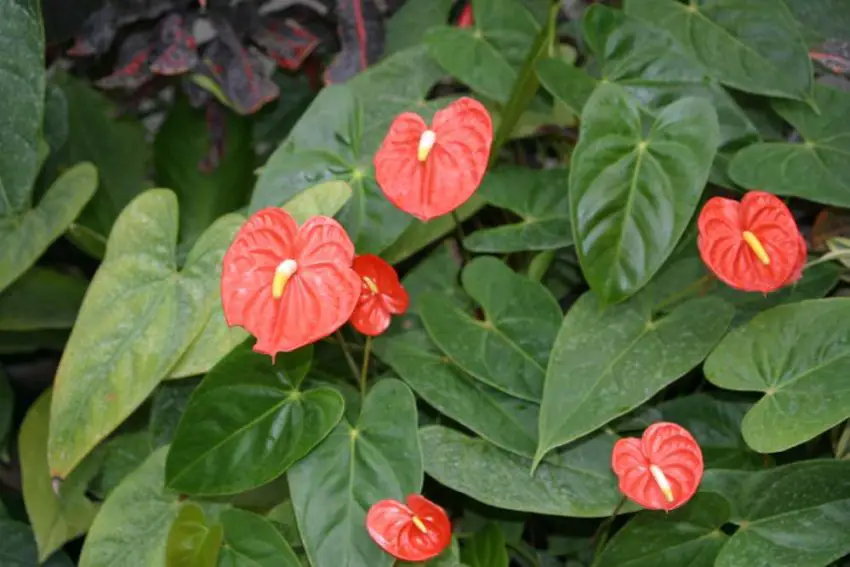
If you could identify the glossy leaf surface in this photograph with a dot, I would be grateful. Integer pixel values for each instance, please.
(632, 195)
(248, 422)
(607, 361)
(252, 541)
(140, 315)
(510, 348)
(575, 482)
(797, 355)
(354, 467)
(542, 204)
(192, 542)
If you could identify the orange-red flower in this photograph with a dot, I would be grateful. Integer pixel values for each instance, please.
(466, 18)
(429, 172)
(753, 245)
(381, 295)
(288, 286)
(417, 532)
(661, 470)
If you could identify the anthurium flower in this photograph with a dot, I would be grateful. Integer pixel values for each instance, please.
(381, 295)
(753, 245)
(430, 171)
(661, 470)
(466, 18)
(417, 532)
(288, 286)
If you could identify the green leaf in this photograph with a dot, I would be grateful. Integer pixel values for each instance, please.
(796, 354)
(749, 45)
(191, 541)
(41, 299)
(26, 235)
(505, 421)
(567, 83)
(22, 93)
(56, 518)
(354, 467)
(167, 407)
(575, 482)
(608, 361)
(121, 456)
(132, 526)
(118, 149)
(17, 547)
(542, 204)
(486, 548)
(248, 422)
(55, 117)
(631, 196)
(509, 349)
(815, 169)
(448, 558)
(323, 199)
(182, 143)
(214, 342)
(252, 541)
(138, 318)
(826, 19)
(789, 516)
(690, 536)
(408, 25)
(25, 342)
(713, 420)
(487, 57)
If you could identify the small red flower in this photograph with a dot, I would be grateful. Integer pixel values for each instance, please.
(417, 532)
(661, 470)
(288, 286)
(429, 172)
(381, 295)
(753, 245)
(466, 18)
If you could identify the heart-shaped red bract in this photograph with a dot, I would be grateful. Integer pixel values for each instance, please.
(316, 299)
(666, 459)
(466, 19)
(459, 139)
(381, 295)
(417, 532)
(723, 242)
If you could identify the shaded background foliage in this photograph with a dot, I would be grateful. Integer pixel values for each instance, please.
(232, 107)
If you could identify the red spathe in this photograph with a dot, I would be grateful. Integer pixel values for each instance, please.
(381, 295)
(393, 526)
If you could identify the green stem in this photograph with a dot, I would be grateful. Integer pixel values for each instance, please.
(364, 370)
(348, 358)
(604, 532)
(834, 255)
(540, 264)
(527, 83)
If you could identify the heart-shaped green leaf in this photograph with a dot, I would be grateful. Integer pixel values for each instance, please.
(608, 361)
(139, 316)
(213, 342)
(540, 197)
(797, 355)
(120, 456)
(25, 235)
(324, 199)
(486, 58)
(509, 349)
(713, 420)
(181, 145)
(788, 516)
(632, 195)
(750, 45)
(248, 422)
(690, 535)
(575, 482)
(505, 421)
(55, 518)
(252, 541)
(22, 93)
(191, 541)
(116, 146)
(817, 168)
(407, 26)
(41, 299)
(132, 526)
(354, 467)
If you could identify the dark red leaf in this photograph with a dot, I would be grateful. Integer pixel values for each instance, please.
(361, 33)
(132, 69)
(176, 51)
(834, 55)
(286, 41)
(97, 34)
(217, 126)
